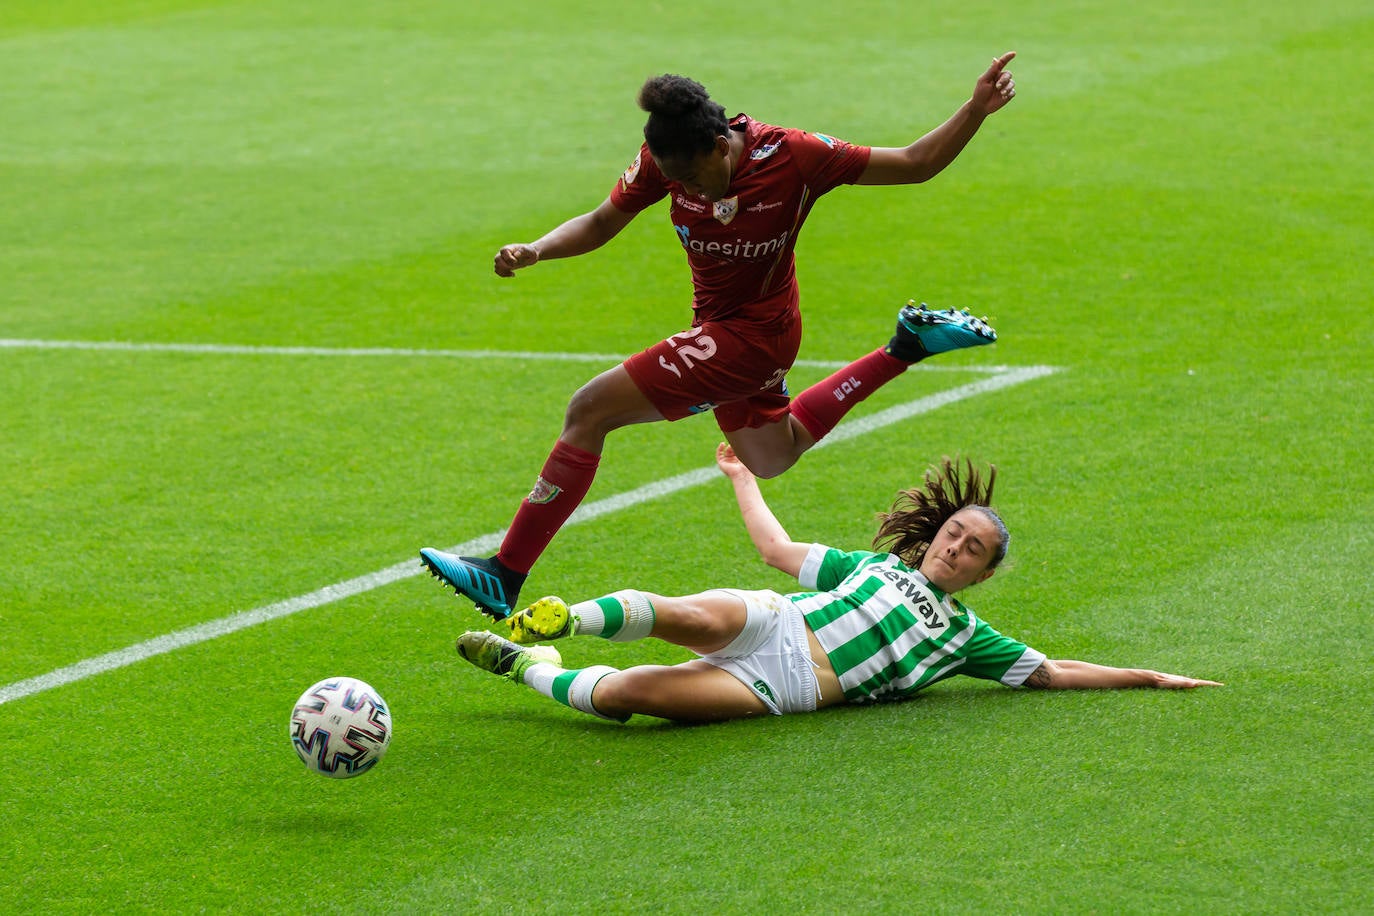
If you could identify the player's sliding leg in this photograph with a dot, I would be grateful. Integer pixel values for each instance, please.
(921, 332)
(704, 623)
(623, 617)
(692, 691)
(537, 667)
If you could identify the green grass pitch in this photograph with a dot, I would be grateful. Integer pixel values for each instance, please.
(287, 213)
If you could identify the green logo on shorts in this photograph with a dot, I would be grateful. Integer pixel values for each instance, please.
(763, 688)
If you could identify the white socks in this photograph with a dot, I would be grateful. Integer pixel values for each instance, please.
(571, 688)
(624, 616)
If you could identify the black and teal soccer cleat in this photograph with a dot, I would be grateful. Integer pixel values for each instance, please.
(923, 331)
(491, 587)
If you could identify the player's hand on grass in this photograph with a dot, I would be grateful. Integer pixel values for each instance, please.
(1164, 681)
(995, 87)
(513, 257)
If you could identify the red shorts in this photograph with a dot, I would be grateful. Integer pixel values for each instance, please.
(735, 368)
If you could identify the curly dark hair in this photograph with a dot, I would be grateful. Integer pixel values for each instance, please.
(918, 513)
(683, 121)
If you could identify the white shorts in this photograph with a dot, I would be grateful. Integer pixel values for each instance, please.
(771, 655)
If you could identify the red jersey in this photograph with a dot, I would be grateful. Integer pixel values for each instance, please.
(740, 248)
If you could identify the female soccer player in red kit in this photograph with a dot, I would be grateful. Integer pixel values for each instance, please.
(739, 192)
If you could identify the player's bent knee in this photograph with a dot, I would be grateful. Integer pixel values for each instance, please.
(708, 626)
(585, 409)
(604, 404)
(769, 470)
(623, 693)
(769, 458)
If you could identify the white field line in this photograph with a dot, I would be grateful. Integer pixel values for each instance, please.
(486, 543)
(10, 343)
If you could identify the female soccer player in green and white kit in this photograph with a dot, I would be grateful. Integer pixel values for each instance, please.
(874, 625)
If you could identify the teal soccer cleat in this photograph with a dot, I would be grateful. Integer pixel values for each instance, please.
(923, 331)
(491, 586)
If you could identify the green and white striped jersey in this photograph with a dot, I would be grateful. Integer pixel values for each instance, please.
(888, 632)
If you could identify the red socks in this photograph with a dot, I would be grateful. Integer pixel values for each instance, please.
(569, 470)
(821, 407)
(560, 489)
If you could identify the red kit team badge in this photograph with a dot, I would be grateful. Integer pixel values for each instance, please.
(631, 173)
(725, 210)
(543, 492)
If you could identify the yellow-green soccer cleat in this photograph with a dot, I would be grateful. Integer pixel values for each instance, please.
(499, 655)
(546, 619)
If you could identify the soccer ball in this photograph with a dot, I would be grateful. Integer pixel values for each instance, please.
(340, 727)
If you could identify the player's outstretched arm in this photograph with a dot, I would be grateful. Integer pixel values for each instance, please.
(1068, 674)
(578, 235)
(928, 156)
(774, 545)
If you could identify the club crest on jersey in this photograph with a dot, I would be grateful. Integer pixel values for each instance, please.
(631, 173)
(725, 210)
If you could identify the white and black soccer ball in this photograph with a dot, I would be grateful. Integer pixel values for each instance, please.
(340, 727)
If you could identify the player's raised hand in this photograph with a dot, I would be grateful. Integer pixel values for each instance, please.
(513, 257)
(729, 462)
(995, 87)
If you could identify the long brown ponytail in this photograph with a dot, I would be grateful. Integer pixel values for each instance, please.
(918, 513)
